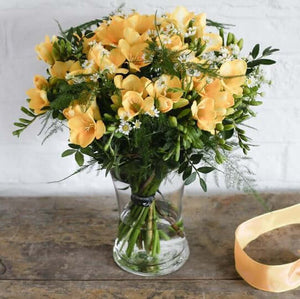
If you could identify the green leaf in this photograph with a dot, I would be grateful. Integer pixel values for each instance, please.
(196, 158)
(228, 134)
(68, 152)
(261, 61)
(190, 179)
(75, 146)
(268, 51)
(203, 185)
(187, 172)
(255, 51)
(17, 132)
(206, 169)
(182, 167)
(229, 127)
(87, 151)
(184, 113)
(174, 89)
(79, 158)
(26, 111)
(20, 125)
(217, 25)
(24, 120)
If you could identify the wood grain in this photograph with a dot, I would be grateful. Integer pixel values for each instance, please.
(62, 246)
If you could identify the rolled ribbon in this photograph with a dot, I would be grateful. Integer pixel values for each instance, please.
(144, 201)
(277, 278)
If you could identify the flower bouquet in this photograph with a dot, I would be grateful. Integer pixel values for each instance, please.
(149, 99)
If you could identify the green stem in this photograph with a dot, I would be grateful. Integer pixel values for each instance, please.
(142, 214)
(136, 231)
(149, 233)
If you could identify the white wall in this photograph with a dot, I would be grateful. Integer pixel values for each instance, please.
(26, 166)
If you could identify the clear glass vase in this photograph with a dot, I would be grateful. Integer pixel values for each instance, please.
(151, 239)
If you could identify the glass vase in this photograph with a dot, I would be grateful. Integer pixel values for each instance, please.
(151, 240)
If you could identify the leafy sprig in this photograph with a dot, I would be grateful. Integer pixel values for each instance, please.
(24, 122)
(256, 61)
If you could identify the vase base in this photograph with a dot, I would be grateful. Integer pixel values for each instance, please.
(140, 263)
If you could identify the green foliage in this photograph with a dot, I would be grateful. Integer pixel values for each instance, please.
(63, 94)
(260, 60)
(218, 25)
(24, 122)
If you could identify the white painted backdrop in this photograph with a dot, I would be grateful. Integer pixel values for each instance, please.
(26, 166)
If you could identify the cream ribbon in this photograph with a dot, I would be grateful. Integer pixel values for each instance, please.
(278, 278)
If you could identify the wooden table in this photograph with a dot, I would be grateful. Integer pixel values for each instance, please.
(62, 248)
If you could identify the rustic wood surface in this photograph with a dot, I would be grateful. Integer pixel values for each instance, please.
(62, 248)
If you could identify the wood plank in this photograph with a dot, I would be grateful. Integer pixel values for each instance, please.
(161, 289)
(72, 238)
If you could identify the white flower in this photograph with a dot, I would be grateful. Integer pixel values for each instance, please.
(87, 64)
(102, 50)
(170, 29)
(161, 83)
(111, 68)
(92, 43)
(190, 32)
(152, 32)
(209, 56)
(153, 113)
(125, 117)
(186, 56)
(94, 77)
(137, 124)
(224, 52)
(166, 40)
(209, 80)
(235, 49)
(68, 76)
(251, 81)
(78, 80)
(125, 127)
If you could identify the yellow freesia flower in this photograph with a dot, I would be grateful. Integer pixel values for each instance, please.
(236, 69)
(182, 16)
(110, 33)
(223, 99)
(72, 110)
(44, 50)
(75, 109)
(173, 42)
(200, 24)
(133, 83)
(106, 60)
(84, 129)
(133, 48)
(160, 90)
(162, 85)
(133, 104)
(38, 100)
(213, 42)
(60, 68)
(141, 23)
(165, 104)
(40, 82)
(205, 114)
